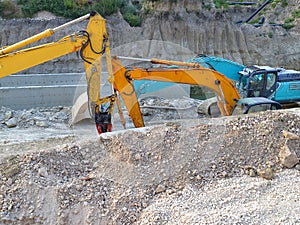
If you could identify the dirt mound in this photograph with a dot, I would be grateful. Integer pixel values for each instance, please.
(177, 173)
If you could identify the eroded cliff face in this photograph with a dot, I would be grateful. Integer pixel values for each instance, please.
(177, 31)
(243, 43)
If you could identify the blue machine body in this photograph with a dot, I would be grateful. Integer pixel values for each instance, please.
(278, 84)
(227, 67)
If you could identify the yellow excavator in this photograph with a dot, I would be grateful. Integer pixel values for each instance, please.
(92, 44)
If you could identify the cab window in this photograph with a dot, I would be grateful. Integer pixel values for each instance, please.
(259, 108)
(256, 85)
(239, 109)
(271, 79)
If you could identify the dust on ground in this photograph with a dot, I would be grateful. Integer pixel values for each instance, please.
(183, 172)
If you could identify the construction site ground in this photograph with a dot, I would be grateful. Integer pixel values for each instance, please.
(186, 171)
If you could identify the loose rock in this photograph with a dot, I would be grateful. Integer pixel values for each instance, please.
(160, 188)
(12, 122)
(288, 158)
(267, 173)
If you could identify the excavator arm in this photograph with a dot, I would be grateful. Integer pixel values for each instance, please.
(92, 43)
(123, 77)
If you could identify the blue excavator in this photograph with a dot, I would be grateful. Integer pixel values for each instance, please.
(278, 84)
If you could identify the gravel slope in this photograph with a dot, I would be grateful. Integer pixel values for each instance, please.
(176, 173)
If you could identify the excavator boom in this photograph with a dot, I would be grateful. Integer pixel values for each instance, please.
(27, 58)
(223, 88)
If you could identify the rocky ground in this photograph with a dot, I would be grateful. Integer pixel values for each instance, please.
(201, 171)
(39, 117)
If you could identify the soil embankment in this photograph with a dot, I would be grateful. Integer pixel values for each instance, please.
(177, 173)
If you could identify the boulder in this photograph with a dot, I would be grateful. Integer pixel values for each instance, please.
(12, 122)
(287, 157)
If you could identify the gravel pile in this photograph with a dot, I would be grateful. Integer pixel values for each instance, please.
(238, 200)
(185, 172)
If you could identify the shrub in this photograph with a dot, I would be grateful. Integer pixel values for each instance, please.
(108, 7)
(288, 26)
(8, 9)
(221, 4)
(207, 6)
(289, 20)
(131, 15)
(296, 14)
(69, 8)
(133, 20)
(284, 3)
(70, 4)
(30, 7)
(255, 21)
(73, 9)
(273, 4)
(270, 34)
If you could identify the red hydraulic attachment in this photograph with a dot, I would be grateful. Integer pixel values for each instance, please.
(103, 114)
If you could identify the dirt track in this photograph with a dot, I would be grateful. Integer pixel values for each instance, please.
(176, 173)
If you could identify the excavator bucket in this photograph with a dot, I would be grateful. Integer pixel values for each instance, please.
(80, 109)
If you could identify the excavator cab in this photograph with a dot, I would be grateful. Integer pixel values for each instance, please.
(262, 84)
(258, 81)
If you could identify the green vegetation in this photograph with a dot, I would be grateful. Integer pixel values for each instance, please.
(8, 9)
(288, 22)
(71, 8)
(221, 4)
(288, 26)
(270, 34)
(1, 8)
(296, 14)
(255, 21)
(131, 15)
(132, 11)
(207, 6)
(284, 3)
